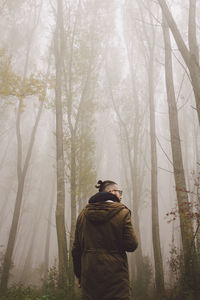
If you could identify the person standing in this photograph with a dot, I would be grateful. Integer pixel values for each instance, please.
(103, 235)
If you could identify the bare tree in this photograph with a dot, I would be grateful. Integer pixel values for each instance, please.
(79, 71)
(190, 56)
(60, 208)
(21, 179)
(21, 170)
(186, 225)
(150, 38)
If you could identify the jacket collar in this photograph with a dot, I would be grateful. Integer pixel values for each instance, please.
(102, 197)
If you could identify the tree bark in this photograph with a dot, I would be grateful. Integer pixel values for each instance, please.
(73, 204)
(179, 176)
(159, 275)
(192, 38)
(47, 243)
(60, 207)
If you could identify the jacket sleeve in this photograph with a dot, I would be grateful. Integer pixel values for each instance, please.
(76, 254)
(129, 239)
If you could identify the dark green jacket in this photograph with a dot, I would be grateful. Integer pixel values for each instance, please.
(103, 235)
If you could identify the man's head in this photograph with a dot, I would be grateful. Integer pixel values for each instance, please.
(109, 186)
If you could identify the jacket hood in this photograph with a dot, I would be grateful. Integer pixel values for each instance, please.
(101, 212)
(102, 197)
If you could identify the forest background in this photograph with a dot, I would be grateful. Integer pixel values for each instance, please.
(94, 90)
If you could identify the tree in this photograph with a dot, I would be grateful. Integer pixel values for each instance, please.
(20, 87)
(81, 46)
(131, 142)
(13, 85)
(60, 207)
(150, 40)
(134, 137)
(190, 56)
(186, 225)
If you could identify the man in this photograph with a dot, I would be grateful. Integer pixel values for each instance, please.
(103, 235)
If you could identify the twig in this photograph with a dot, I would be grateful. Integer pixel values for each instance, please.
(164, 151)
(195, 234)
(166, 170)
(179, 92)
(182, 67)
(185, 102)
(194, 107)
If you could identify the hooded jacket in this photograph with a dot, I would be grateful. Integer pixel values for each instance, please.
(103, 235)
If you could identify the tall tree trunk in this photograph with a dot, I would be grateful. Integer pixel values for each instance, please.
(60, 207)
(73, 205)
(190, 56)
(159, 275)
(47, 243)
(134, 183)
(192, 38)
(179, 176)
(5, 205)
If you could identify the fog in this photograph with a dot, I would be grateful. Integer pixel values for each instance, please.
(95, 90)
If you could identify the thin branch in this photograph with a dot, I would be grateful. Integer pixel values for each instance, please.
(147, 23)
(3, 133)
(188, 75)
(185, 102)
(194, 107)
(164, 151)
(159, 62)
(195, 234)
(166, 170)
(179, 92)
(147, 8)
